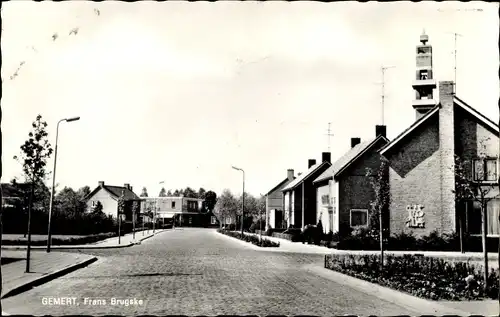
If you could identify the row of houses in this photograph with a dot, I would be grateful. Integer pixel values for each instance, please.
(185, 211)
(421, 164)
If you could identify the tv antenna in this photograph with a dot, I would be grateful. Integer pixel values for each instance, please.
(384, 68)
(455, 35)
(329, 134)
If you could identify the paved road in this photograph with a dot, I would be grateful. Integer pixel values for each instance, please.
(200, 272)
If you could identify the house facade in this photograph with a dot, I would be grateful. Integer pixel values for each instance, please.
(422, 159)
(13, 194)
(275, 203)
(344, 191)
(108, 196)
(181, 211)
(300, 194)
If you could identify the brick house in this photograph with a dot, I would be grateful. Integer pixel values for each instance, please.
(422, 158)
(13, 194)
(300, 194)
(275, 203)
(344, 191)
(108, 196)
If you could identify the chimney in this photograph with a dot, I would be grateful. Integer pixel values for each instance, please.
(446, 91)
(290, 174)
(101, 183)
(311, 163)
(355, 141)
(127, 186)
(380, 130)
(326, 157)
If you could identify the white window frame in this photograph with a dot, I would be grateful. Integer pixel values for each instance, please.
(172, 205)
(358, 210)
(213, 220)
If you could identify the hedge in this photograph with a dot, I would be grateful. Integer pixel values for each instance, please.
(61, 241)
(425, 277)
(250, 238)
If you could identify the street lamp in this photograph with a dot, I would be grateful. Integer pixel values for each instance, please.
(54, 180)
(243, 198)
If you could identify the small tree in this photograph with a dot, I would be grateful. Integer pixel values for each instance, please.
(163, 192)
(98, 208)
(226, 206)
(144, 192)
(474, 182)
(379, 206)
(34, 155)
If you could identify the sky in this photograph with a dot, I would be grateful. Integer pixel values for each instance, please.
(181, 91)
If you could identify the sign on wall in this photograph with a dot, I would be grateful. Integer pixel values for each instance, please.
(415, 216)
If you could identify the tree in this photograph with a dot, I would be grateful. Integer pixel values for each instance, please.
(474, 182)
(169, 193)
(176, 193)
(226, 206)
(83, 192)
(190, 193)
(201, 193)
(68, 202)
(210, 200)
(98, 208)
(144, 192)
(163, 192)
(34, 155)
(379, 206)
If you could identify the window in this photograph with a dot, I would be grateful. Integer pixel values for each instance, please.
(213, 220)
(173, 205)
(94, 203)
(485, 170)
(424, 75)
(359, 217)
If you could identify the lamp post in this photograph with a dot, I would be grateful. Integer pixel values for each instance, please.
(243, 199)
(49, 236)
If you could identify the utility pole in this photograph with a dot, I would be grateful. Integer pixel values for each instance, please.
(455, 35)
(329, 135)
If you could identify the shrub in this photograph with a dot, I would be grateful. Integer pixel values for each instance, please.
(250, 238)
(426, 277)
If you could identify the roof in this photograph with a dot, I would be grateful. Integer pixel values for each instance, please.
(348, 158)
(11, 191)
(115, 192)
(304, 176)
(411, 128)
(457, 102)
(278, 186)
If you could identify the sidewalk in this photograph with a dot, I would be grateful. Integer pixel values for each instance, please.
(126, 240)
(43, 267)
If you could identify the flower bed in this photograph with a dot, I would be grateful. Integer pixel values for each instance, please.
(425, 277)
(250, 238)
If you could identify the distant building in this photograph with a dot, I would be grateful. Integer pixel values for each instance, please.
(181, 211)
(421, 158)
(275, 203)
(108, 196)
(13, 194)
(344, 191)
(300, 194)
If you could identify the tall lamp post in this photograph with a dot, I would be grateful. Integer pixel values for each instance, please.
(243, 199)
(49, 235)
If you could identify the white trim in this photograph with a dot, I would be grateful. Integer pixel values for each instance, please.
(337, 209)
(476, 114)
(359, 155)
(402, 135)
(350, 217)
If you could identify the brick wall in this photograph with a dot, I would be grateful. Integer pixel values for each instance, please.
(415, 178)
(447, 153)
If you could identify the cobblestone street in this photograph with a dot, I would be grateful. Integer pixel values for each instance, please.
(199, 272)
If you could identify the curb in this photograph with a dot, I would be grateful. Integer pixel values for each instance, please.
(425, 307)
(48, 277)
